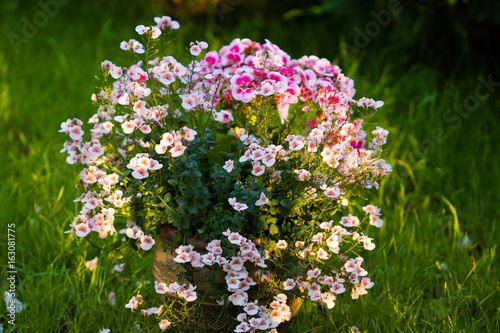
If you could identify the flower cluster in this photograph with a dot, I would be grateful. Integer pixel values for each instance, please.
(238, 280)
(245, 149)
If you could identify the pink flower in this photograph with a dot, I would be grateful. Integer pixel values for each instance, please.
(128, 127)
(322, 254)
(124, 99)
(155, 32)
(366, 283)
(140, 107)
(224, 116)
(326, 225)
(197, 47)
(257, 170)
(125, 46)
(235, 238)
(288, 284)
(75, 132)
(367, 242)
(82, 229)
(141, 29)
(168, 139)
(314, 273)
(296, 145)
(118, 268)
(240, 207)
(189, 101)
(371, 209)
(332, 192)
(267, 88)
(329, 299)
(242, 327)
(182, 258)
(337, 288)
(132, 303)
(350, 265)
(115, 72)
(238, 298)
(91, 264)
(140, 173)
(354, 329)
(178, 149)
(189, 295)
(283, 111)
(349, 221)
(161, 287)
(147, 242)
(318, 238)
(229, 165)
(164, 324)
(257, 154)
(376, 221)
(189, 134)
(112, 298)
(269, 159)
(262, 200)
(281, 244)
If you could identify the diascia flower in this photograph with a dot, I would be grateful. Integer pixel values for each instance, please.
(262, 157)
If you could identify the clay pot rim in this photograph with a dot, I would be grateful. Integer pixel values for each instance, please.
(168, 232)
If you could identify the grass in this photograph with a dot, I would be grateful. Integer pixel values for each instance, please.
(435, 261)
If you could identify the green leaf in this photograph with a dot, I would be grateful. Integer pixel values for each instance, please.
(282, 211)
(209, 276)
(272, 220)
(184, 224)
(286, 203)
(116, 254)
(115, 245)
(150, 188)
(261, 225)
(219, 151)
(192, 209)
(172, 182)
(181, 201)
(273, 230)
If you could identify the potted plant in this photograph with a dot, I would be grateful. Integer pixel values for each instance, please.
(240, 168)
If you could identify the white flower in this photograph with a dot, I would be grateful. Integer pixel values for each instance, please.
(262, 200)
(147, 242)
(229, 165)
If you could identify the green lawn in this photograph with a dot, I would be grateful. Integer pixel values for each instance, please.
(435, 261)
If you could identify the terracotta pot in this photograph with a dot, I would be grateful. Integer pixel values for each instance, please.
(166, 270)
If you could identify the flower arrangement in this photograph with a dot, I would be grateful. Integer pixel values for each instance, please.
(256, 155)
